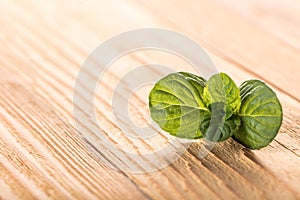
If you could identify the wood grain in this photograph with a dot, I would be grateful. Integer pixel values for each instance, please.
(43, 45)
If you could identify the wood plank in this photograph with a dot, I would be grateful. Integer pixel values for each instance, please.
(280, 18)
(233, 38)
(79, 175)
(40, 107)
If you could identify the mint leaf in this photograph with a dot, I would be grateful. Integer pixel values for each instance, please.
(230, 127)
(216, 128)
(260, 114)
(176, 104)
(221, 88)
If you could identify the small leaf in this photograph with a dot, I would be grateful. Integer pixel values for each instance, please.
(176, 104)
(260, 114)
(216, 128)
(221, 88)
(231, 126)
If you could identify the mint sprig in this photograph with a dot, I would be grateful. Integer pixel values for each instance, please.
(188, 106)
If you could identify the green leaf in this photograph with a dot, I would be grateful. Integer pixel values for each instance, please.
(176, 104)
(230, 127)
(221, 88)
(216, 128)
(260, 114)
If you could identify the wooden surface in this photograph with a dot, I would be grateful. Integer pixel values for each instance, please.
(43, 45)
